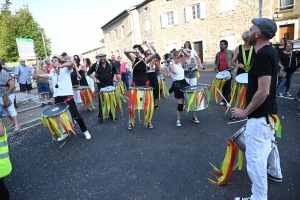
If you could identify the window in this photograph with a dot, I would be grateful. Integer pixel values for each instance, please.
(196, 11)
(115, 33)
(109, 39)
(226, 6)
(147, 25)
(170, 17)
(122, 31)
(230, 40)
(286, 4)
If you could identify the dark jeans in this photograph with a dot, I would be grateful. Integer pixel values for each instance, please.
(226, 90)
(4, 194)
(125, 79)
(73, 110)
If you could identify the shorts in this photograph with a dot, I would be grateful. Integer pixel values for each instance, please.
(43, 88)
(177, 87)
(10, 110)
(24, 87)
(167, 66)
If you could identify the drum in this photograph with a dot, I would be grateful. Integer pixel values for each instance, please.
(120, 90)
(238, 91)
(87, 96)
(218, 83)
(58, 120)
(239, 140)
(141, 98)
(108, 99)
(194, 98)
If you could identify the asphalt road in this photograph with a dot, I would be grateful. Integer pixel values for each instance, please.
(165, 163)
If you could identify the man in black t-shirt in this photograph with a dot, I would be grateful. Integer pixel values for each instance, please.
(263, 162)
(167, 59)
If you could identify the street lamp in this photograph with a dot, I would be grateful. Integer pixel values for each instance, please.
(44, 42)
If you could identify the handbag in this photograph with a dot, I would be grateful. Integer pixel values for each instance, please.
(282, 72)
(6, 100)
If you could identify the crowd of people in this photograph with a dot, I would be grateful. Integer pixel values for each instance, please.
(256, 57)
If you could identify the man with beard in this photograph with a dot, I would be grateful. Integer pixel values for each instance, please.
(263, 161)
(104, 76)
(224, 62)
(63, 92)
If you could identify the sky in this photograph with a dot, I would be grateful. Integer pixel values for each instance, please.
(73, 26)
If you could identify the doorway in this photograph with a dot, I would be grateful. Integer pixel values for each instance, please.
(287, 31)
(198, 47)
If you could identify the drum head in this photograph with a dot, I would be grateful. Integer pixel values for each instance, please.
(108, 89)
(223, 74)
(193, 88)
(55, 110)
(242, 78)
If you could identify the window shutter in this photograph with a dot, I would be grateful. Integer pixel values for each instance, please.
(187, 11)
(202, 10)
(163, 20)
(175, 15)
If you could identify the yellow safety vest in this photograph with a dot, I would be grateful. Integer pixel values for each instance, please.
(5, 165)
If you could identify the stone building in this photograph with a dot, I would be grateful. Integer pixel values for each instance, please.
(169, 23)
(287, 17)
(91, 54)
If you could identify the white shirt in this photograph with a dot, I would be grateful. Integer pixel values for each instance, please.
(64, 82)
(179, 72)
(193, 53)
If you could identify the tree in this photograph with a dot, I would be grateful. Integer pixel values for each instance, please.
(20, 25)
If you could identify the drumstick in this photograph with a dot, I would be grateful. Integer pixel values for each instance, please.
(237, 121)
(223, 97)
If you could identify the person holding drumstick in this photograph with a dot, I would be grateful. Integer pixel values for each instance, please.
(263, 162)
(224, 62)
(179, 82)
(139, 68)
(63, 92)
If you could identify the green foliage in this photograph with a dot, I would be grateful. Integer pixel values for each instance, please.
(20, 25)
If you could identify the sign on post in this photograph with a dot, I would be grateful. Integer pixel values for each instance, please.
(26, 48)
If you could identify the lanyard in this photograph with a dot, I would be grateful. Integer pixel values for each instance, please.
(246, 63)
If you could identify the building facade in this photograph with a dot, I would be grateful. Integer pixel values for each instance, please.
(167, 24)
(287, 17)
(91, 54)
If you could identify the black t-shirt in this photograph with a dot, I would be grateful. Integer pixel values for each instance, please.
(157, 56)
(264, 64)
(104, 75)
(241, 60)
(285, 61)
(117, 65)
(167, 56)
(279, 50)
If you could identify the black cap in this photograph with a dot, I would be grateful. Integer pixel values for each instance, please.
(64, 54)
(267, 27)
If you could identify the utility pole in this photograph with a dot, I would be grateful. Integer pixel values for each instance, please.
(260, 10)
(44, 45)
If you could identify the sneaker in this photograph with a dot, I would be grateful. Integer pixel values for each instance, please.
(87, 135)
(272, 178)
(24, 102)
(43, 105)
(222, 103)
(62, 137)
(178, 123)
(297, 98)
(240, 198)
(288, 94)
(195, 120)
(30, 100)
(280, 95)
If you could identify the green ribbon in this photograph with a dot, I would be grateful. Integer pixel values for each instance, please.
(246, 62)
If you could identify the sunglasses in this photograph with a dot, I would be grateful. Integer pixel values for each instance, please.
(22, 60)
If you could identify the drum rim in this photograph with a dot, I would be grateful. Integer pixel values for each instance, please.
(204, 87)
(59, 112)
(141, 87)
(114, 88)
(243, 74)
(239, 132)
(225, 71)
(81, 87)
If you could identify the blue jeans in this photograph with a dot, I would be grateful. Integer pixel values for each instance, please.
(125, 79)
(285, 81)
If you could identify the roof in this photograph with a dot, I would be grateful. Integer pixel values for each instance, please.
(120, 16)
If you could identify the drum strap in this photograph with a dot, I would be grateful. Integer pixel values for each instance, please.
(247, 61)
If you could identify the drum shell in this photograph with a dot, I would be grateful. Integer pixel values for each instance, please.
(239, 140)
(59, 114)
(142, 94)
(203, 104)
(160, 78)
